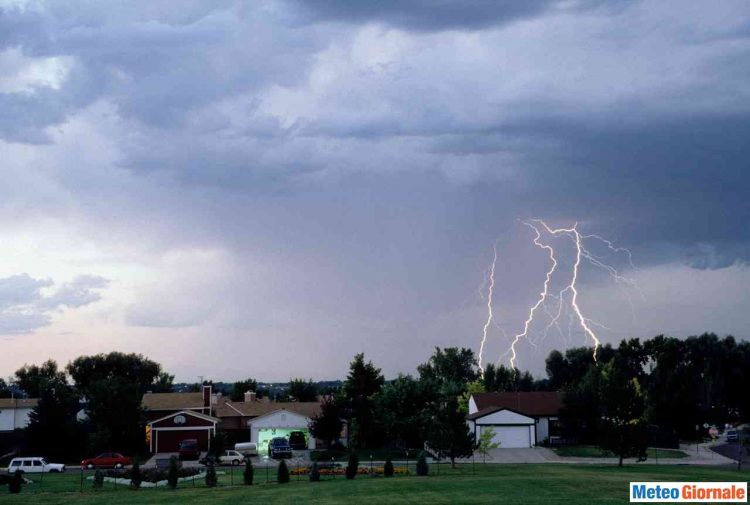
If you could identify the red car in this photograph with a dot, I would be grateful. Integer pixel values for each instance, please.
(107, 460)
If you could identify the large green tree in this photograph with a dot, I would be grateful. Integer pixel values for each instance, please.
(623, 423)
(327, 424)
(113, 385)
(32, 379)
(362, 384)
(302, 390)
(239, 389)
(402, 406)
(448, 432)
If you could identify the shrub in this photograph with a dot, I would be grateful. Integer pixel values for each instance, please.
(211, 479)
(135, 475)
(388, 467)
(247, 475)
(172, 473)
(352, 466)
(314, 473)
(14, 486)
(282, 475)
(98, 479)
(422, 468)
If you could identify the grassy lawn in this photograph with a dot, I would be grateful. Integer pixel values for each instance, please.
(592, 451)
(511, 484)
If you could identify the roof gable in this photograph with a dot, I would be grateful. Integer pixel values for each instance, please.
(190, 413)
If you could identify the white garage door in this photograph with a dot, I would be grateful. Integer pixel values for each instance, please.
(511, 436)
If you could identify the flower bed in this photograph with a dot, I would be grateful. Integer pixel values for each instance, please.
(362, 470)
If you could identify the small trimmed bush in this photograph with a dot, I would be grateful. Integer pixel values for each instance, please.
(211, 479)
(172, 473)
(135, 475)
(98, 479)
(352, 466)
(247, 475)
(14, 486)
(314, 472)
(282, 476)
(388, 467)
(422, 468)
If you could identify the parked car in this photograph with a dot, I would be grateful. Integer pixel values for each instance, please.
(107, 460)
(189, 449)
(34, 465)
(279, 448)
(297, 441)
(247, 448)
(231, 457)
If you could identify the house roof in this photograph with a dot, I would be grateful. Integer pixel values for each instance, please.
(172, 401)
(227, 408)
(530, 403)
(18, 403)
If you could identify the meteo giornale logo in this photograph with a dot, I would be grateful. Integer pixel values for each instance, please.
(688, 492)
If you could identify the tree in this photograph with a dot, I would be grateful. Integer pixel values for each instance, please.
(402, 408)
(471, 389)
(282, 475)
(448, 432)
(454, 365)
(239, 389)
(16, 482)
(164, 383)
(32, 379)
(172, 472)
(327, 425)
(114, 384)
(98, 479)
(314, 472)
(486, 442)
(211, 479)
(362, 383)
(5, 391)
(302, 390)
(53, 429)
(136, 477)
(247, 475)
(422, 467)
(352, 466)
(623, 423)
(388, 467)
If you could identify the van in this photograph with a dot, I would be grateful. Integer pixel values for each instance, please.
(247, 448)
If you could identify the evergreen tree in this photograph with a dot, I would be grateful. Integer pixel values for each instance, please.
(172, 473)
(14, 486)
(388, 467)
(422, 467)
(362, 383)
(211, 479)
(327, 425)
(352, 466)
(247, 475)
(282, 476)
(314, 472)
(98, 479)
(136, 477)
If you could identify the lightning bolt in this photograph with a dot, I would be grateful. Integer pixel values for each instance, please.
(581, 252)
(489, 306)
(542, 295)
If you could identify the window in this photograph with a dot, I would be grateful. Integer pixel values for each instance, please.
(37, 462)
(26, 463)
(555, 429)
(15, 463)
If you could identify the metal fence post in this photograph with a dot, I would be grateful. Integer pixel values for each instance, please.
(81, 480)
(266, 472)
(371, 474)
(231, 475)
(333, 468)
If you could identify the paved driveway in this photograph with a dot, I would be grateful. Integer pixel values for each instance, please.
(507, 455)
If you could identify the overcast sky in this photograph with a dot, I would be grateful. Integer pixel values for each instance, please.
(265, 189)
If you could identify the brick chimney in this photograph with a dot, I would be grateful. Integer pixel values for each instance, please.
(250, 396)
(207, 398)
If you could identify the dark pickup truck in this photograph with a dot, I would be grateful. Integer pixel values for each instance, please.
(279, 448)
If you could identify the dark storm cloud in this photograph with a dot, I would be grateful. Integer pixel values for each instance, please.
(432, 15)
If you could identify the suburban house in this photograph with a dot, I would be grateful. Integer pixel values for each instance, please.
(14, 412)
(520, 419)
(174, 417)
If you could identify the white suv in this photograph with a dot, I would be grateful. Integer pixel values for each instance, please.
(34, 465)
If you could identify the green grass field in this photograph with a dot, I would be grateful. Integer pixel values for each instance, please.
(592, 451)
(512, 484)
